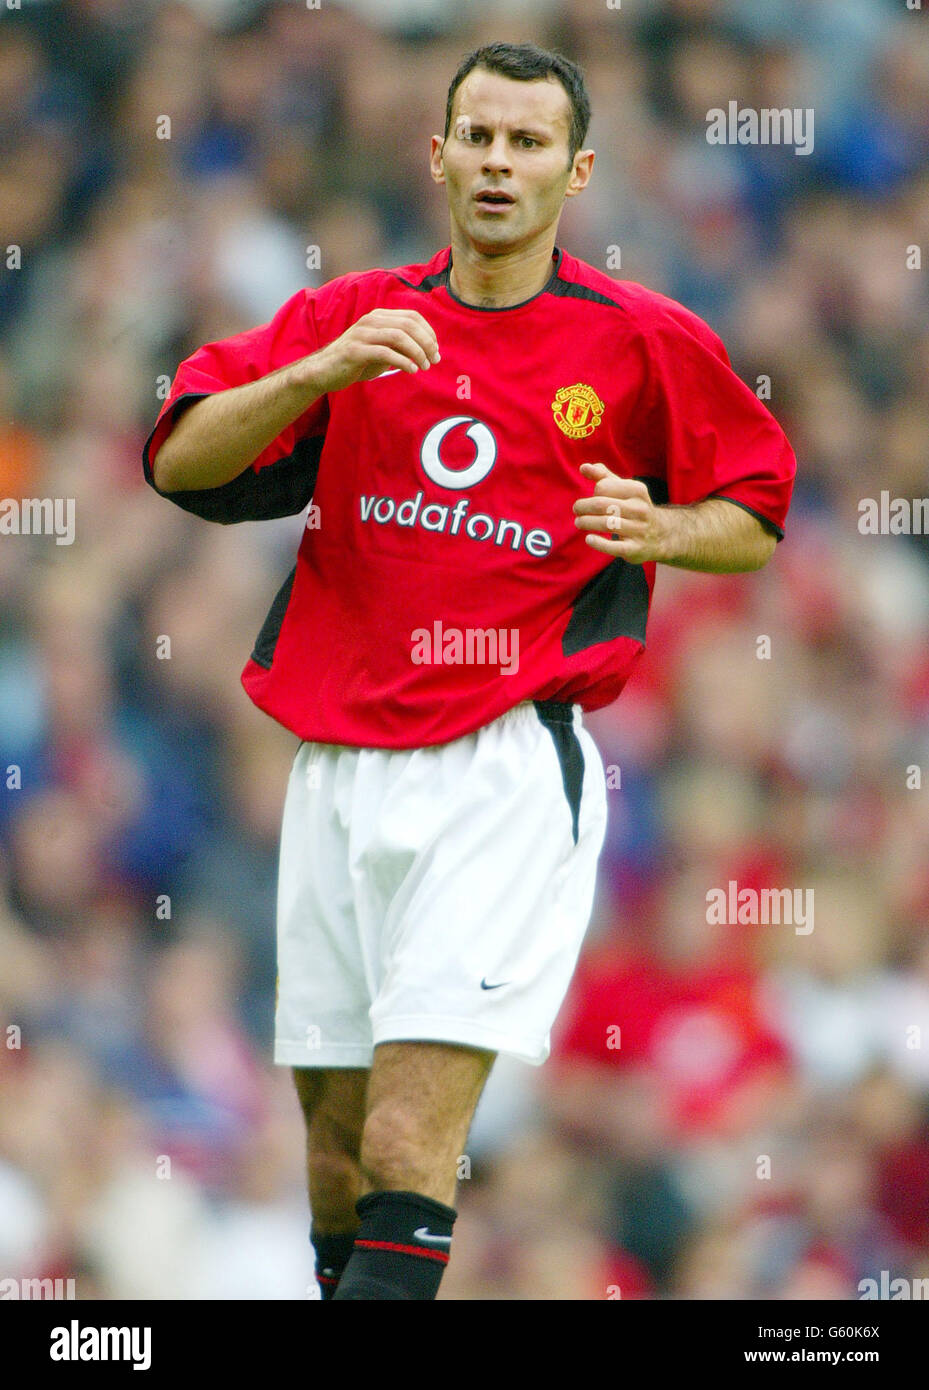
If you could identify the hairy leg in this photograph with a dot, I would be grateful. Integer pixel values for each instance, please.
(421, 1098)
(333, 1103)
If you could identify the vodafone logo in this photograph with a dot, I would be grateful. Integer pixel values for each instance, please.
(455, 519)
(485, 455)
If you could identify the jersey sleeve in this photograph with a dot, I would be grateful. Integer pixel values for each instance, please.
(705, 433)
(281, 479)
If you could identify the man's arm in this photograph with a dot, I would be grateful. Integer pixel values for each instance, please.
(716, 536)
(218, 437)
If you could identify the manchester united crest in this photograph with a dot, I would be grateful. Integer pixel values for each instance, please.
(578, 410)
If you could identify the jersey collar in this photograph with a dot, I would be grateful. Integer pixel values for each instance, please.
(557, 257)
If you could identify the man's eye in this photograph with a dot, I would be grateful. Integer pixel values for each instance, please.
(526, 141)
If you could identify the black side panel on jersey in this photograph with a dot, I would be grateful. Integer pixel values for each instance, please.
(614, 604)
(266, 641)
(281, 489)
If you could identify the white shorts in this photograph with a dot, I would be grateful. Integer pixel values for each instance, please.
(438, 893)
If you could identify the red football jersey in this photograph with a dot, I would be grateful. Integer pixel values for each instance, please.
(441, 579)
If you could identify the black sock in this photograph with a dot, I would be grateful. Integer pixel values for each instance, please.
(401, 1249)
(332, 1255)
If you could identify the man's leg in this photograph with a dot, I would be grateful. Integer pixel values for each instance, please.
(420, 1102)
(333, 1104)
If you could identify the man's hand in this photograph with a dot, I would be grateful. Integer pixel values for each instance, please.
(383, 340)
(716, 536)
(623, 508)
(222, 434)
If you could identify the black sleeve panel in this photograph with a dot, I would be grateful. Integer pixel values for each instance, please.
(282, 488)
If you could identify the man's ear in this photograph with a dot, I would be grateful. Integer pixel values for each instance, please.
(436, 165)
(581, 170)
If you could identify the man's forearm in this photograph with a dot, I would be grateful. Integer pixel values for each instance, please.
(220, 436)
(715, 536)
(217, 438)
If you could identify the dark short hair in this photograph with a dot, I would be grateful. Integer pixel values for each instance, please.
(526, 62)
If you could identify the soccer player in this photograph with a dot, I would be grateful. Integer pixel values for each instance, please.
(500, 445)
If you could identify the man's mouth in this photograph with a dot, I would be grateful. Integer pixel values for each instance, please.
(494, 198)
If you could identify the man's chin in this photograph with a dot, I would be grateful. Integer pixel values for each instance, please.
(493, 238)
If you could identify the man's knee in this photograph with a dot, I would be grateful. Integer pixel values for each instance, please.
(396, 1152)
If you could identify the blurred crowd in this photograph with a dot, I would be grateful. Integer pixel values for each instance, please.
(730, 1111)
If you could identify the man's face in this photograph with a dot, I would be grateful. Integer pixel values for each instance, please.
(505, 162)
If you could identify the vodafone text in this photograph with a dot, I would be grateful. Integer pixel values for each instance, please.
(451, 521)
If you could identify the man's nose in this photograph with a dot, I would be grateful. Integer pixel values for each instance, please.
(496, 155)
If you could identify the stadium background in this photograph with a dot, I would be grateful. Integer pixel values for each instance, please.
(636, 1170)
